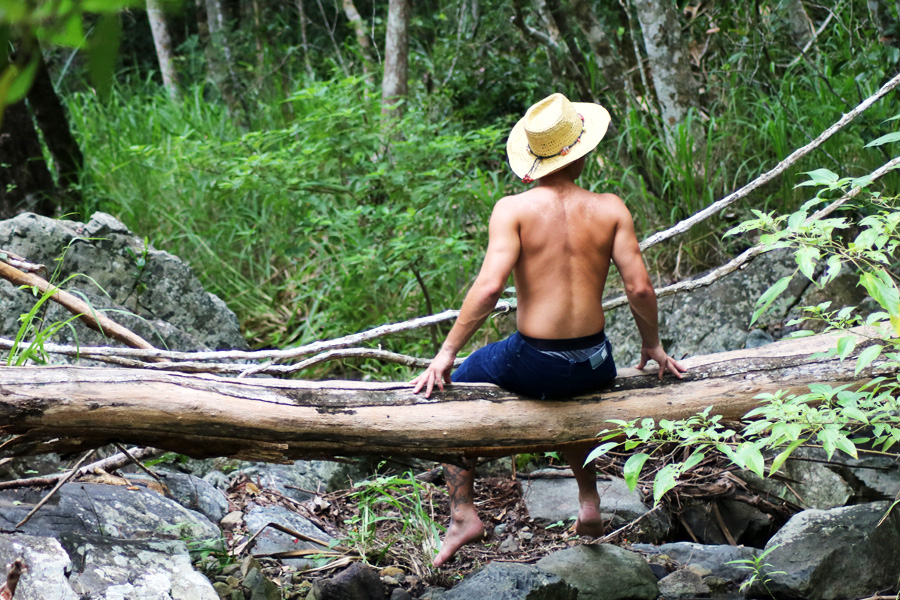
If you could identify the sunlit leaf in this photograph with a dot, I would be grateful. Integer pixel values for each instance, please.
(769, 296)
(103, 51)
(632, 470)
(885, 139)
(867, 356)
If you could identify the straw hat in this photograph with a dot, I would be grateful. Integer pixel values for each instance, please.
(554, 133)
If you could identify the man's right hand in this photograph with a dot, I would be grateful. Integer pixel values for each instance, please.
(665, 362)
(438, 372)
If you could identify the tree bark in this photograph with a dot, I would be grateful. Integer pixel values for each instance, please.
(362, 38)
(163, 42)
(53, 122)
(604, 55)
(52, 409)
(798, 22)
(303, 40)
(218, 54)
(394, 86)
(668, 58)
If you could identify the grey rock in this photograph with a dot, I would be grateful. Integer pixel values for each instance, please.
(509, 545)
(191, 492)
(554, 499)
(512, 581)
(712, 319)
(296, 481)
(163, 302)
(107, 510)
(603, 572)
(682, 584)
(817, 484)
(400, 594)
(259, 586)
(758, 338)
(835, 554)
(271, 540)
(107, 569)
(715, 558)
(745, 523)
(48, 567)
(357, 582)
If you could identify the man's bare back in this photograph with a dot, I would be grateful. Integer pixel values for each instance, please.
(566, 235)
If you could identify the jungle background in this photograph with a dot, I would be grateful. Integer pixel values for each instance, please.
(326, 167)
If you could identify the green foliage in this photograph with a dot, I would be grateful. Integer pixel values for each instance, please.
(311, 229)
(395, 521)
(759, 570)
(35, 331)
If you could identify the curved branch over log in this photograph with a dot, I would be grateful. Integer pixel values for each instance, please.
(74, 408)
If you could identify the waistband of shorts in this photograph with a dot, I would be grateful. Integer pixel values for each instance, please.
(579, 343)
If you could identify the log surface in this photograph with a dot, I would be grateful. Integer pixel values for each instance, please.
(64, 408)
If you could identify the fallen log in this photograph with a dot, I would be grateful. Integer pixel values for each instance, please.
(66, 408)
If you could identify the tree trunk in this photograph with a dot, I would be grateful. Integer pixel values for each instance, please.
(396, 55)
(54, 409)
(362, 38)
(576, 58)
(219, 55)
(25, 181)
(163, 42)
(609, 64)
(798, 22)
(53, 122)
(304, 43)
(667, 54)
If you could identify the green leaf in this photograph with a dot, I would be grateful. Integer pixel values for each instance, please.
(845, 445)
(784, 455)
(663, 482)
(819, 177)
(806, 258)
(103, 51)
(632, 470)
(885, 139)
(867, 356)
(833, 268)
(600, 451)
(883, 290)
(769, 296)
(845, 347)
(753, 458)
(693, 460)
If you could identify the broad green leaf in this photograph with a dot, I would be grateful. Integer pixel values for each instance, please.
(806, 258)
(833, 269)
(854, 414)
(885, 139)
(820, 177)
(845, 347)
(784, 455)
(68, 32)
(769, 296)
(632, 470)
(845, 445)
(753, 458)
(13, 10)
(108, 6)
(600, 451)
(23, 80)
(103, 51)
(693, 460)
(664, 481)
(883, 290)
(867, 356)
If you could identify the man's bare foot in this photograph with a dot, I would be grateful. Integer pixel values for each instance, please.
(461, 532)
(590, 522)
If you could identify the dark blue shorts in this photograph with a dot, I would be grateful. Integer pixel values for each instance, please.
(541, 368)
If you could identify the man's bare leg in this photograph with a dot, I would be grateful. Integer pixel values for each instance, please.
(465, 526)
(589, 522)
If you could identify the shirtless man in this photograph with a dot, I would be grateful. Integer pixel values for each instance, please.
(558, 240)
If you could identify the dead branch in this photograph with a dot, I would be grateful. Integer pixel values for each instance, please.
(76, 306)
(16, 568)
(61, 483)
(19, 262)
(796, 155)
(110, 463)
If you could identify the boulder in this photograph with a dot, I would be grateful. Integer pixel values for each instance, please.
(682, 584)
(111, 569)
(356, 582)
(717, 559)
(195, 494)
(550, 496)
(272, 541)
(512, 581)
(297, 481)
(745, 523)
(814, 482)
(834, 554)
(106, 510)
(155, 294)
(48, 567)
(603, 572)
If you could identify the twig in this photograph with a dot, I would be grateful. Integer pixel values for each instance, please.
(796, 155)
(76, 306)
(16, 568)
(19, 262)
(61, 483)
(137, 463)
(627, 526)
(110, 463)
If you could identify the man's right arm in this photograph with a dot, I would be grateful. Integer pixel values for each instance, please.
(626, 254)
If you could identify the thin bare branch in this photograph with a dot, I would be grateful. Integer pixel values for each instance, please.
(796, 155)
(110, 463)
(62, 482)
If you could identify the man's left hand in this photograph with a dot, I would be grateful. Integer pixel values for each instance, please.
(438, 372)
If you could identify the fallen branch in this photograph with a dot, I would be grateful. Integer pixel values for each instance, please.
(76, 306)
(796, 155)
(111, 463)
(61, 483)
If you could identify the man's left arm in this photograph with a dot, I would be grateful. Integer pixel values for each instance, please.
(499, 260)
